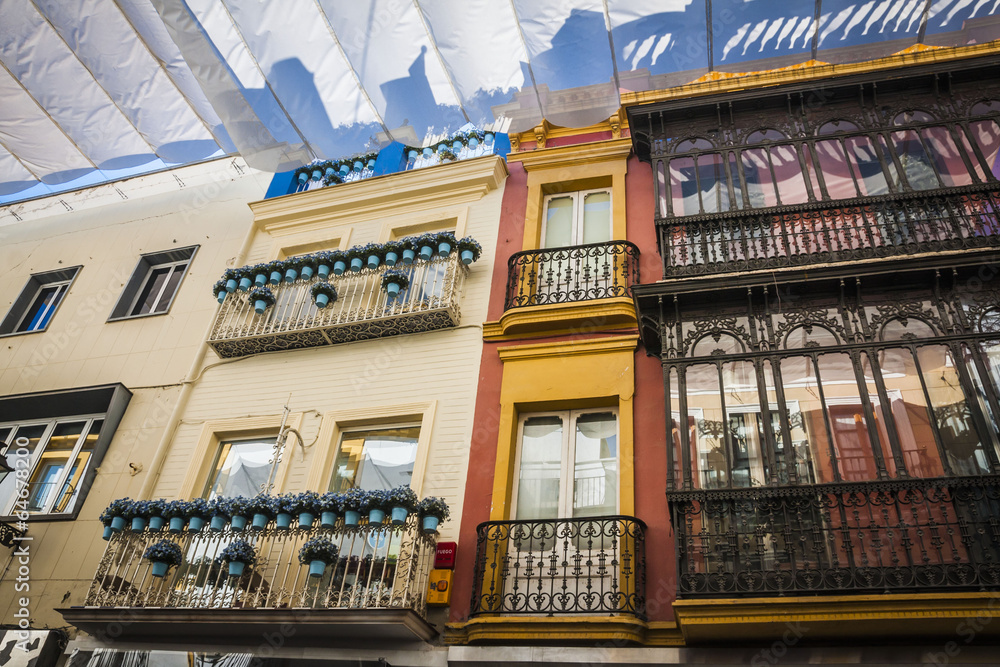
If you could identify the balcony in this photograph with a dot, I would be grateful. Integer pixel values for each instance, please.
(363, 310)
(589, 566)
(377, 589)
(892, 536)
(575, 273)
(832, 231)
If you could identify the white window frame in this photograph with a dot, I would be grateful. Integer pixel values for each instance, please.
(181, 266)
(20, 310)
(577, 229)
(10, 447)
(179, 259)
(346, 434)
(567, 459)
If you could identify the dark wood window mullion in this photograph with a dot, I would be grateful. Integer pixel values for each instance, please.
(774, 178)
(724, 159)
(968, 388)
(786, 429)
(889, 418)
(886, 145)
(810, 147)
(980, 158)
(975, 351)
(728, 445)
(745, 194)
(667, 188)
(682, 424)
(930, 156)
(850, 165)
(942, 452)
(954, 132)
(832, 444)
(670, 420)
(697, 183)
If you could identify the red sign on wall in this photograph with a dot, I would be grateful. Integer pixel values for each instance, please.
(444, 558)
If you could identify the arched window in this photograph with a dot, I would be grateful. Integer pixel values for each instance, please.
(773, 171)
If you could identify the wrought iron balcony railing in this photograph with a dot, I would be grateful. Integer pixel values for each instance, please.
(832, 231)
(595, 565)
(575, 273)
(380, 567)
(362, 310)
(887, 536)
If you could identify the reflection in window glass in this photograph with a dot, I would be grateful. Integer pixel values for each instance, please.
(241, 468)
(541, 468)
(705, 405)
(559, 222)
(745, 423)
(595, 465)
(914, 160)
(596, 217)
(380, 458)
(986, 134)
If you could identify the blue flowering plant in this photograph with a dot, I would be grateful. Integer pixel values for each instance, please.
(228, 507)
(394, 276)
(377, 499)
(307, 501)
(354, 500)
(424, 239)
(324, 287)
(238, 551)
(403, 496)
(318, 548)
(200, 508)
(392, 246)
(219, 286)
(148, 508)
(263, 504)
(165, 551)
(369, 249)
(446, 237)
(261, 294)
(123, 507)
(431, 506)
(471, 244)
(230, 274)
(174, 509)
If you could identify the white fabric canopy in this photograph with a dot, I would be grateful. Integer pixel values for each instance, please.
(95, 89)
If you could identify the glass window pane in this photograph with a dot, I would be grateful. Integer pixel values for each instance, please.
(947, 159)
(559, 223)
(845, 411)
(595, 470)
(44, 481)
(986, 133)
(241, 468)
(376, 459)
(760, 187)
(805, 415)
(540, 469)
(24, 443)
(788, 175)
(712, 177)
(151, 290)
(705, 406)
(866, 166)
(916, 163)
(954, 418)
(597, 217)
(982, 398)
(40, 312)
(684, 187)
(71, 487)
(836, 170)
(746, 428)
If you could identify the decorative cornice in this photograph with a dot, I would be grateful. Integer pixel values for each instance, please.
(393, 194)
(561, 319)
(809, 71)
(623, 630)
(568, 348)
(574, 154)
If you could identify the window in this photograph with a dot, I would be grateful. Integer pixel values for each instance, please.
(58, 438)
(34, 307)
(154, 283)
(577, 218)
(567, 465)
(241, 468)
(376, 458)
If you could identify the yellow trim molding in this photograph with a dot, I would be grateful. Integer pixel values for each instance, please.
(243, 428)
(622, 630)
(559, 319)
(334, 423)
(404, 193)
(891, 616)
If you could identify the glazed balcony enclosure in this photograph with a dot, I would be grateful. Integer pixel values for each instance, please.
(377, 588)
(362, 310)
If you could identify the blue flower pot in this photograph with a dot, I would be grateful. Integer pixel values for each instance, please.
(345, 169)
(231, 285)
(156, 523)
(221, 296)
(428, 151)
(473, 142)
(195, 524)
(260, 280)
(259, 306)
(322, 300)
(291, 275)
(371, 164)
(218, 523)
(359, 165)
(236, 568)
(316, 174)
(138, 524)
(108, 533)
(283, 521)
(259, 522)
(356, 264)
(351, 518)
(392, 289)
(307, 272)
(275, 277)
(328, 519)
(391, 258)
(468, 257)
(117, 523)
(442, 146)
(323, 271)
(399, 515)
(444, 249)
(160, 568)
(457, 145)
(426, 252)
(176, 524)
(303, 178)
(488, 138)
(373, 261)
(306, 519)
(413, 155)
(408, 256)
(330, 172)
(339, 267)
(376, 516)
(238, 523)
(317, 568)
(245, 284)
(431, 524)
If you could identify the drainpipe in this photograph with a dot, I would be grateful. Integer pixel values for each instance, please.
(187, 388)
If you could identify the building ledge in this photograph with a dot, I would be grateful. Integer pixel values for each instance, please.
(535, 630)
(857, 618)
(562, 318)
(310, 627)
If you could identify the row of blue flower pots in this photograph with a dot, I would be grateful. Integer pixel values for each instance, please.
(345, 169)
(283, 521)
(456, 145)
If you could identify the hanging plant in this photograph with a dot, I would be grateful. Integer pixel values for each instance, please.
(318, 553)
(469, 250)
(219, 290)
(164, 555)
(446, 242)
(323, 294)
(262, 298)
(432, 512)
(394, 281)
(447, 155)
